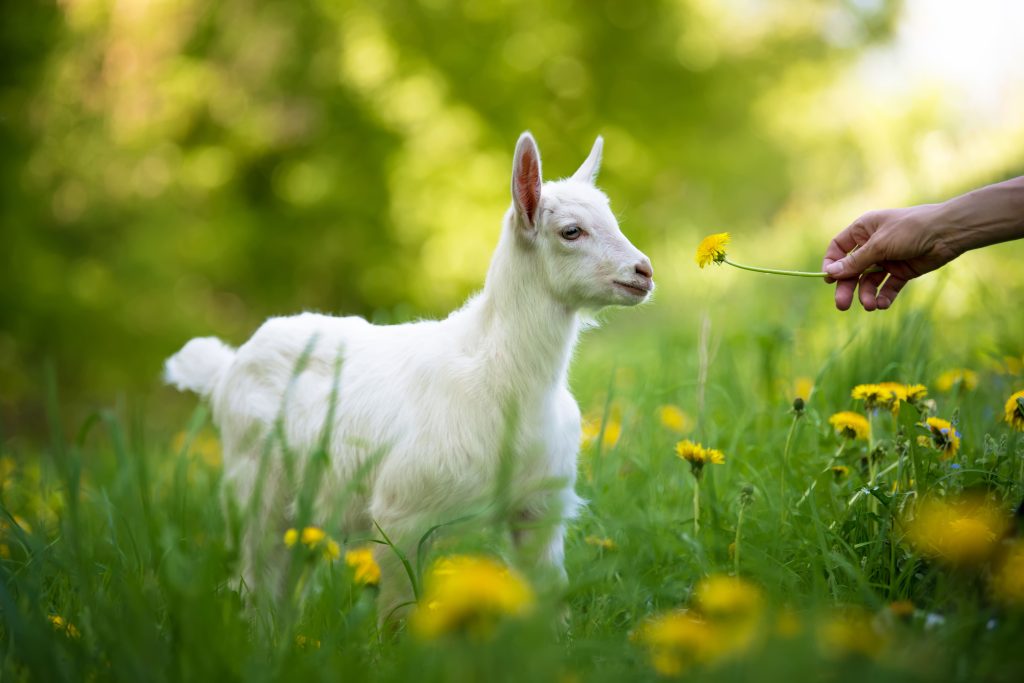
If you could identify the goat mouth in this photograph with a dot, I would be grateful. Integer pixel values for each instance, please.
(640, 290)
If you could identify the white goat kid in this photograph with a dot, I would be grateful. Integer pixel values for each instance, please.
(431, 398)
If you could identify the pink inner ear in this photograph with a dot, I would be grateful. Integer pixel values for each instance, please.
(528, 185)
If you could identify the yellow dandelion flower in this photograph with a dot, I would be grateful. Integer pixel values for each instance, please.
(850, 632)
(962, 377)
(673, 418)
(712, 249)
(1014, 410)
(60, 624)
(698, 456)
(802, 388)
(470, 594)
(962, 533)
(364, 566)
(291, 537)
(332, 550)
(723, 597)
(943, 437)
(901, 609)
(873, 395)
(851, 425)
(312, 536)
(916, 392)
(840, 472)
(1007, 581)
(677, 641)
(599, 542)
(591, 429)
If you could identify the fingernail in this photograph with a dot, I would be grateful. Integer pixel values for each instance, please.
(834, 268)
(883, 302)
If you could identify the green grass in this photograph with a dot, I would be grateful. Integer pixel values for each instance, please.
(130, 544)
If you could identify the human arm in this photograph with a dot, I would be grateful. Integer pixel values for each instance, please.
(907, 243)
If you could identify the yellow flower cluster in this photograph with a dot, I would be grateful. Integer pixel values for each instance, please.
(961, 533)
(942, 437)
(962, 377)
(851, 425)
(64, 626)
(712, 249)
(1007, 582)
(698, 456)
(1014, 411)
(591, 429)
(365, 569)
(314, 538)
(469, 594)
(889, 395)
(728, 612)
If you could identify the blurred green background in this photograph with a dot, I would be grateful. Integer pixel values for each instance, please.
(180, 168)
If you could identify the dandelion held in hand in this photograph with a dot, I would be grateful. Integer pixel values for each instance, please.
(712, 250)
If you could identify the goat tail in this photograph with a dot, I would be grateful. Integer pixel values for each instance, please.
(199, 365)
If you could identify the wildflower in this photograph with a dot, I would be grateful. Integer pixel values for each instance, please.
(840, 472)
(961, 533)
(676, 641)
(1014, 410)
(303, 642)
(673, 418)
(712, 249)
(850, 425)
(60, 624)
(592, 429)
(598, 542)
(464, 593)
(942, 436)
(915, 393)
(850, 632)
(313, 538)
(901, 609)
(873, 395)
(958, 377)
(365, 568)
(802, 388)
(722, 596)
(1007, 581)
(698, 456)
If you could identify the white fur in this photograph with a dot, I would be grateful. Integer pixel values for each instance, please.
(432, 397)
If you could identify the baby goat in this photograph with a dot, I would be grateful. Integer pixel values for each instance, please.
(430, 399)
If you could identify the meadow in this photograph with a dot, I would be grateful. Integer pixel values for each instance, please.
(822, 551)
(775, 490)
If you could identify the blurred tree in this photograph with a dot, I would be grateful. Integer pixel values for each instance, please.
(175, 168)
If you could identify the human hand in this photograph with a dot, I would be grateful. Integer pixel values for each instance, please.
(903, 243)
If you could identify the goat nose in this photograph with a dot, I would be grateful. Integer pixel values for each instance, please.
(643, 267)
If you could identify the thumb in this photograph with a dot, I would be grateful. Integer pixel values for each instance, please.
(856, 262)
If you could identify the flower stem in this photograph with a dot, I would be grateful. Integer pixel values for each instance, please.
(793, 273)
(775, 271)
(696, 507)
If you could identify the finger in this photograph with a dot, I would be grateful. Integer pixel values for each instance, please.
(840, 246)
(887, 294)
(844, 294)
(868, 289)
(856, 262)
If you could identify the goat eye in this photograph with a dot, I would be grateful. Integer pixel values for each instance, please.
(571, 233)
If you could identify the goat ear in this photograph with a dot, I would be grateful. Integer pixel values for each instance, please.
(526, 180)
(588, 171)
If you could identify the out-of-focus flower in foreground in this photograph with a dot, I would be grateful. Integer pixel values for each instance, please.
(1007, 581)
(850, 425)
(600, 542)
(365, 569)
(677, 641)
(850, 632)
(469, 594)
(962, 533)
